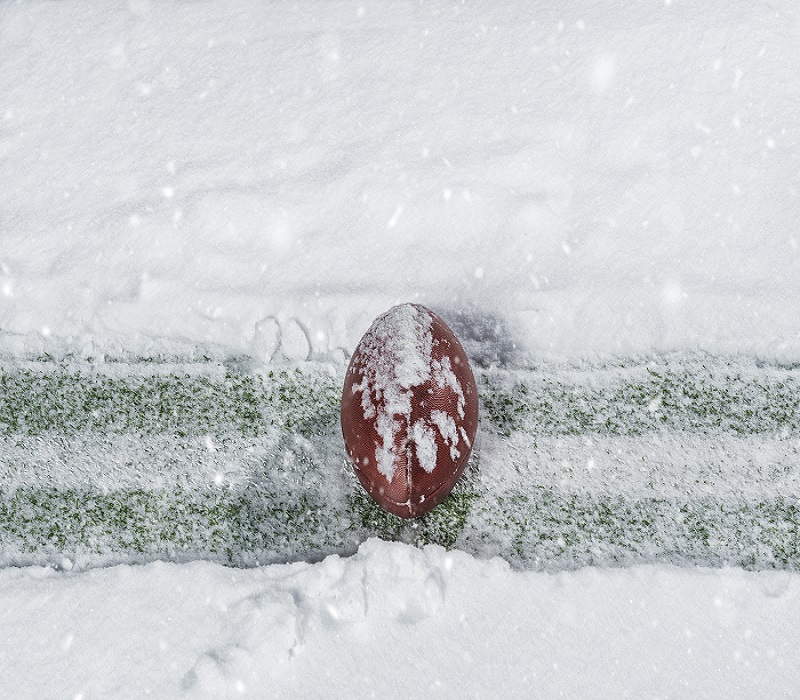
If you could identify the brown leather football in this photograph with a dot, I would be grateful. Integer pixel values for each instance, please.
(409, 410)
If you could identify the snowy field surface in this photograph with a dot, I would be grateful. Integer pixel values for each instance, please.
(270, 178)
(203, 206)
(394, 621)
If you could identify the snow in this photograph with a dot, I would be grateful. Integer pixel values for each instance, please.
(613, 180)
(394, 621)
(561, 182)
(447, 429)
(393, 357)
(424, 445)
(444, 376)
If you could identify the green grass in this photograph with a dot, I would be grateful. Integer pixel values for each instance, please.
(300, 501)
(442, 526)
(56, 400)
(543, 528)
(233, 527)
(712, 396)
(244, 527)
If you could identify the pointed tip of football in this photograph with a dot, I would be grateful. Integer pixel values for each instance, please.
(409, 410)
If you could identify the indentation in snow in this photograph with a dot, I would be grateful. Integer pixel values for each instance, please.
(266, 339)
(294, 341)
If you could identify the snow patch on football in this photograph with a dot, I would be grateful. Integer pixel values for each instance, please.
(425, 443)
(444, 376)
(447, 427)
(396, 356)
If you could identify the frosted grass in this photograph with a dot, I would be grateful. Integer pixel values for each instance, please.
(686, 459)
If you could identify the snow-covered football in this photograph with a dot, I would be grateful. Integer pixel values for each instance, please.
(409, 410)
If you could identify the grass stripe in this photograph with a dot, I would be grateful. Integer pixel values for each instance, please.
(700, 394)
(542, 528)
(52, 399)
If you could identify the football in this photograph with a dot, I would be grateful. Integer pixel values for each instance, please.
(409, 410)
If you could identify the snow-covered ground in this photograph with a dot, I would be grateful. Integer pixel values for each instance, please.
(614, 177)
(564, 182)
(393, 621)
